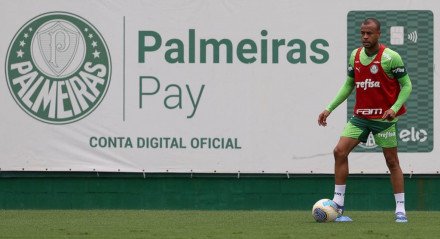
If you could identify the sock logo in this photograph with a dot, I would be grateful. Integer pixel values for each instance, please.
(58, 68)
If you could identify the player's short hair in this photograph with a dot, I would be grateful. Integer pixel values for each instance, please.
(373, 20)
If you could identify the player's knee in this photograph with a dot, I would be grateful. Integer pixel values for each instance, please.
(392, 161)
(340, 153)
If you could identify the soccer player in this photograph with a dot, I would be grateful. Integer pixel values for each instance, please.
(382, 87)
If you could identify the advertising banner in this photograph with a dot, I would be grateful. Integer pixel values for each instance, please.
(202, 86)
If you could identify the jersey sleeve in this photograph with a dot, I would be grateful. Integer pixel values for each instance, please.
(342, 94)
(405, 91)
(347, 87)
(395, 67)
(350, 68)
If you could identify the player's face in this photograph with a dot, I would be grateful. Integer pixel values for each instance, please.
(369, 35)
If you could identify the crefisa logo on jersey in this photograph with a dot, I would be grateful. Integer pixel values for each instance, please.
(58, 68)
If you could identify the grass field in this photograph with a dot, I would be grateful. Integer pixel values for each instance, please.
(209, 224)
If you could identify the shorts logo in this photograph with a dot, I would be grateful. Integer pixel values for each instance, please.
(386, 135)
(370, 144)
(58, 68)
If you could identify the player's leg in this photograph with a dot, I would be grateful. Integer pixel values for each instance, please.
(348, 140)
(387, 139)
(350, 137)
(397, 182)
(354, 133)
(392, 161)
(340, 153)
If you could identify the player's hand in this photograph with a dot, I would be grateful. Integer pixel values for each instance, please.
(322, 118)
(389, 115)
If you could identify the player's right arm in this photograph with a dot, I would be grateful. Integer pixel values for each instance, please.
(342, 94)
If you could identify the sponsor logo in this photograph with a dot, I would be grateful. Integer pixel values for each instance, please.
(370, 144)
(58, 68)
(398, 70)
(367, 83)
(413, 135)
(386, 135)
(374, 69)
(358, 69)
(369, 111)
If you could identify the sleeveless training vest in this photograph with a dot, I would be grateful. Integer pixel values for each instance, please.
(376, 92)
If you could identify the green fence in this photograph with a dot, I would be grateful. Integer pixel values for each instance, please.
(48, 190)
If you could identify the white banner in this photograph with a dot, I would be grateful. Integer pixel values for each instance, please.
(183, 86)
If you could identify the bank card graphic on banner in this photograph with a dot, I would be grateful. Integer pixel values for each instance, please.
(409, 33)
(58, 68)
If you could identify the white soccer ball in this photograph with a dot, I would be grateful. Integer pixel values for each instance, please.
(325, 210)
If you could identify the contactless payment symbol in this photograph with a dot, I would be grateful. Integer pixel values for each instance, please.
(397, 35)
(58, 68)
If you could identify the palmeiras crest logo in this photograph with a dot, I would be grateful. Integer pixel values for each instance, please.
(58, 68)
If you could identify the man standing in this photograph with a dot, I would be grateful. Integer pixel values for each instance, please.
(382, 87)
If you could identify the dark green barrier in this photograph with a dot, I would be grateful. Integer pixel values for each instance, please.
(69, 190)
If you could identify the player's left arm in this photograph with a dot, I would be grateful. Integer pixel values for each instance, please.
(405, 91)
(398, 71)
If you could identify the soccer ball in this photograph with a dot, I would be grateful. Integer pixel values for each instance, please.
(325, 210)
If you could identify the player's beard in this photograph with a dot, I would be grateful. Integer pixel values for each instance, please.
(367, 44)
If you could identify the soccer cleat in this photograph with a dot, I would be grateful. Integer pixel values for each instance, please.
(340, 209)
(342, 218)
(401, 217)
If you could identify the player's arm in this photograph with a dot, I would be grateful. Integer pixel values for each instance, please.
(342, 94)
(398, 71)
(405, 91)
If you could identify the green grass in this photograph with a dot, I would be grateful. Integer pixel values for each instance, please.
(209, 224)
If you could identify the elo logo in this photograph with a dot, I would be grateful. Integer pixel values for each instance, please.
(58, 68)
(413, 135)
